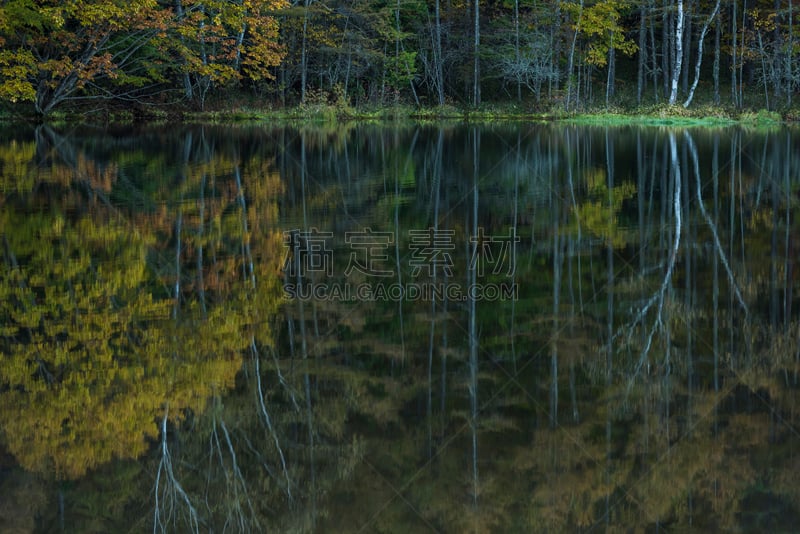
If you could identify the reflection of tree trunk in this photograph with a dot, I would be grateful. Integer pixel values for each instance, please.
(610, 258)
(61, 525)
(201, 285)
(788, 260)
(304, 342)
(773, 257)
(247, 255)
(609, 327)
(713, 226)
(169, 493)
(473, 335)
(568, 163)
(554, 340)
(187, 147)
(732, 233)
(266, 417)
(659, 297)
(573, 252)
(443, 385)
(437, 180)
(512, 333)
(715, 267)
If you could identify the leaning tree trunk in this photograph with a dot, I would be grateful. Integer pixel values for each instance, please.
(700, 57)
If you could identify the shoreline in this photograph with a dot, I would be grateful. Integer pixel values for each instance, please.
(320, 114)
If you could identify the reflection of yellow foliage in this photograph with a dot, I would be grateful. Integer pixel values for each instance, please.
(599, 215)
(17, 173)
(91, 357)
(91, 348)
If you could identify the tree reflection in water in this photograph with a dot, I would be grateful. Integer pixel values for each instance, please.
(152, 366)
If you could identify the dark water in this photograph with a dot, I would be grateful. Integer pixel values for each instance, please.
(399, 329)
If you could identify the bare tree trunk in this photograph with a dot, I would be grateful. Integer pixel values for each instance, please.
(667, 45)
(304, 53)
(687, 45)
(438, 55)
(571, 64)
(653, 53)
(742, 49)
(476, 80)
(734, 37)
(610, 72)
(700, 57)
(642, 56)
(673, 97)
(789, 58)
(516, 47)
(717, 32)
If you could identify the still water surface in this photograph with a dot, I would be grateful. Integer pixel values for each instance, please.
(399, 329)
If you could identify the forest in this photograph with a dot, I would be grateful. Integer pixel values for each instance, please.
(156, 56)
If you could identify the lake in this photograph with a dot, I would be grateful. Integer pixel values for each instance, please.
(504, 327)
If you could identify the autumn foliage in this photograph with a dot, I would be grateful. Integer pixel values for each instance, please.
(56, 52)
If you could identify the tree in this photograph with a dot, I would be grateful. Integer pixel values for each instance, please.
(56, 52)
(92, 349)
(104, 49)
(708, 22)
(87, 363)
(600, 24)
(222, 41)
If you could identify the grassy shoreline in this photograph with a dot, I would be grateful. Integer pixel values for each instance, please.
(675, 116)
(657, 116)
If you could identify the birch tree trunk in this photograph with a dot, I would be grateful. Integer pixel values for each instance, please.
(700, 57)
(676, 73)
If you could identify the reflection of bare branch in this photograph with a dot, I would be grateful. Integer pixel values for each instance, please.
(266, 418)
(712, 226)
(658, 297)
(165, 507)
(281, 378)
(238, 473)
